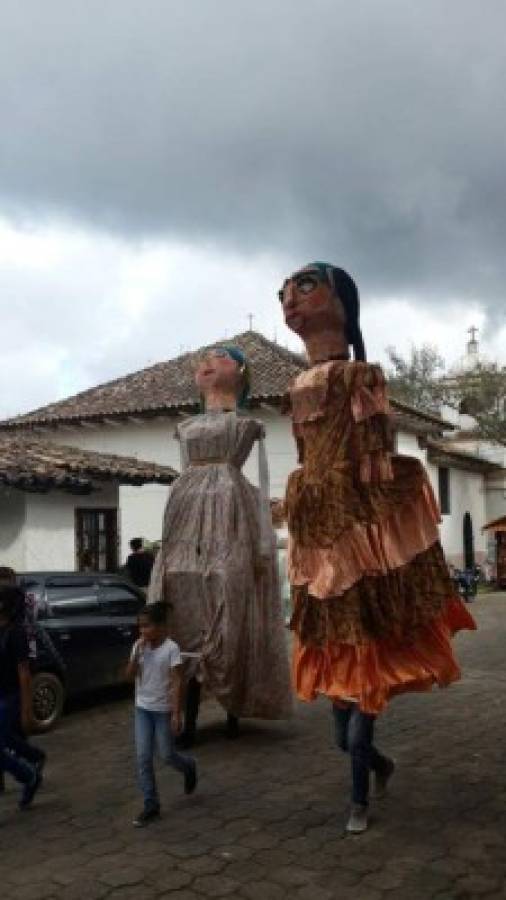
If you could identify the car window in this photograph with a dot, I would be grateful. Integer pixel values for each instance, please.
(119, 600)
(70, 581)
(72, 607)
(71, 593)
(71, 601)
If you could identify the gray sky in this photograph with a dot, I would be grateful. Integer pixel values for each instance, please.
(164, 164)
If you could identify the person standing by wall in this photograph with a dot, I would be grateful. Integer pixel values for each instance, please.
(139, 564)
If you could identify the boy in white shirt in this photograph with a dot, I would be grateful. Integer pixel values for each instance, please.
(155, 663)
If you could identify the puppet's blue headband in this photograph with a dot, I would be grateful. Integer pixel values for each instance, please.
(242, 362)
(238, 357)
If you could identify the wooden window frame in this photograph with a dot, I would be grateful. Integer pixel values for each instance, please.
(111, 539)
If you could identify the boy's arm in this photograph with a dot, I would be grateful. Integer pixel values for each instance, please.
(25, 690)
(175, 697)
(134, 663)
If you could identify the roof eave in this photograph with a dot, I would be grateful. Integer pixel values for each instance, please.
(436, 421)
(441, 456)
(189, 407)
(74, 484)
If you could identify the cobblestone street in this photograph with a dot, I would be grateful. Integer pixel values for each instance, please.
(267, 819)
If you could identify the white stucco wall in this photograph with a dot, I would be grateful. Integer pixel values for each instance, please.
(151, 440)
(141, 514)
(496, 498)
(37, 531)
(12, 528)
(467, 494)
(50, 526)
(495, 481)
(141, 509)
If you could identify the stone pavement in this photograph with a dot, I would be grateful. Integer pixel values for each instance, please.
(267, 820)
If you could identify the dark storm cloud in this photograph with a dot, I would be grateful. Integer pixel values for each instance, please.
(368, 133)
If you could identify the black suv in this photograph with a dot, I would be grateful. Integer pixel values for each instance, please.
(86, 624)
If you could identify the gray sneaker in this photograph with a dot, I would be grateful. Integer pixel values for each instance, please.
(381, 780)
(146, 815)
(357, 823)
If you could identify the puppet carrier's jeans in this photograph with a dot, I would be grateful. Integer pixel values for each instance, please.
(354, 735)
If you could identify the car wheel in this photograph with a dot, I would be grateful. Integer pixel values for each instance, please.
(48, 695)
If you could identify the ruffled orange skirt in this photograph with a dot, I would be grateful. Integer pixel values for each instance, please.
(367, 548)
(372, 672)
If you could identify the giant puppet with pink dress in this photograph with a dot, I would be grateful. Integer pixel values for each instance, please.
(374, 608)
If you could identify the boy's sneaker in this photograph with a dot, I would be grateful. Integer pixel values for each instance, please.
(30, 789)
(147, 815)
(381, 780)
(357, 823)
(190, 778)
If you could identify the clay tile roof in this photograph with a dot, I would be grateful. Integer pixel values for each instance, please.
(31, 464)
(496, 525)
(169, 386)
(445, 453)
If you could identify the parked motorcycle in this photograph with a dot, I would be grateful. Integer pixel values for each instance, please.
(466, 581)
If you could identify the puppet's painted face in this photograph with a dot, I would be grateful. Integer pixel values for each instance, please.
(309, 303)
(217, 371)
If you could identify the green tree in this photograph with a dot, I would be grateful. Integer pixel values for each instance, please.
(420, 381)
(417, 379)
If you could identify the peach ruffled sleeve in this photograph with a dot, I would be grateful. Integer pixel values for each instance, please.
(372, 429)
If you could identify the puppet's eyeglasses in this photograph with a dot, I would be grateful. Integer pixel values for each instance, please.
(305, 282)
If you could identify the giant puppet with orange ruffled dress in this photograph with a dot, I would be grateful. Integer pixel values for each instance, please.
(374, 608)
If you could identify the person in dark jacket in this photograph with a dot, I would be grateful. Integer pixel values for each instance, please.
(18, 757)
(139, 563)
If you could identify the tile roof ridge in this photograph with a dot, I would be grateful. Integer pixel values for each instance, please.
(67, 409)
